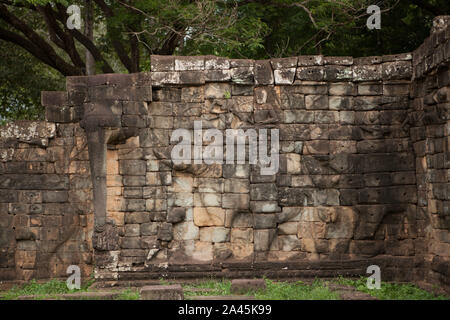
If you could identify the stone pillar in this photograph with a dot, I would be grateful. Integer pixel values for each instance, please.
(99, 122)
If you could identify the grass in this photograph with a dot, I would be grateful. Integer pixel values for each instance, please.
(41, 290)
(54, 288)
(298, 290)
(391, 291)
(276, 290)
(213, 288)
(129, 294)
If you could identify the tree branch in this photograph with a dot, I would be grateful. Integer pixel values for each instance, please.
(65, 68)
(28, 46)
(59, 37)
(85, 41)
(118, 47)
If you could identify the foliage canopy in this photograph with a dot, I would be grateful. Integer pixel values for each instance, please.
(37, 49)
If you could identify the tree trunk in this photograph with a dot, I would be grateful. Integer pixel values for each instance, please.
(89, 32)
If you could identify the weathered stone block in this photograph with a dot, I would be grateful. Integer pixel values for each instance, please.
(162, 63)
(214, 234)
(164, 78)
(167, 94)
(316, 102)
(263, 72)
(131, 243)
(263, 192)
(288, 243)
(217, 75)
(263, 239)
(264, 206)
(340, 103)
(183, 63)
(132, 181)
(298, 116)
(132, 167)
(366, 72)
(207, 199)
(396, 70)
(238, 219)
(209, 216)
(310, 73)
(217, 90)
(162, 292)
(165, 232)
(293, 163)
(186, 231)
(293, 101)
(287, 228)
(284, 75)
(264, 221)
(137, 217)
(242, 75)
(326, 116)
(241, 286)
(236, 171)
(149, 229)
(235, 201)
(338, 73)
(176, 214)
(242, 235)
(342, 89)
(338, 60)
(61, 114)
(310, 60)
(134, 107)
(242, 103)
(54, 196)
(54, 98)
(132, 230)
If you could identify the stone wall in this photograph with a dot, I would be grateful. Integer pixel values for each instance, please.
(429, 133)
(45, 200)
(362, 173)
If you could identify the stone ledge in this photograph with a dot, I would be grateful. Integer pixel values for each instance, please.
(32, 132)
(180, 70)
(245, 285)
(162, 292)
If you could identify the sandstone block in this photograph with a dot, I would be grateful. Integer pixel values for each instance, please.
(186, 231)
(316, 102)
(240, 286)
(207, 199)
(342, 89)
(162, 292)
(214, 234)
(235, 201)
(264, 221)
(243, 235)
(264, 206)
(263, 239)
(209, 216)
(284, 75)
(217, 90)
(263, 72)
(236, 186)
(263, 191)
(176, 214)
